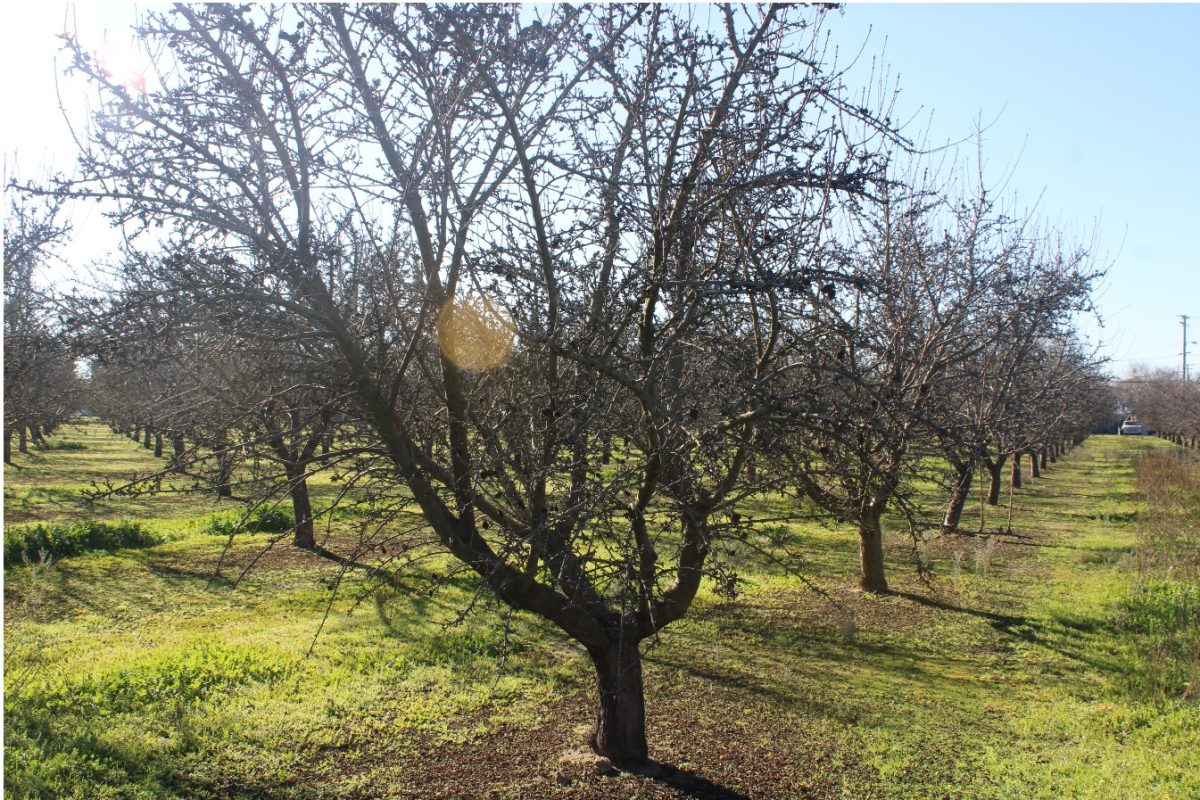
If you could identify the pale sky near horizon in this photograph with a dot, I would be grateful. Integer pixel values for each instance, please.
(1092, 112)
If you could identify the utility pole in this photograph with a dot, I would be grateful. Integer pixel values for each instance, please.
(1183, 318)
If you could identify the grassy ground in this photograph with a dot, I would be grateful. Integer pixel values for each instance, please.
(142, 674)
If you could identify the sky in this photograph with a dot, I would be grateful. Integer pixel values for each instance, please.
(1091, 116)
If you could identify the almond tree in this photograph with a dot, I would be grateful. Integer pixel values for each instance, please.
(40, 385)
(555, 190)
(886, 360)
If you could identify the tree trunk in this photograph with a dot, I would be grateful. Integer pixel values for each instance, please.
(148, 439)
(158, 445)
(958, 498)
(136, 433)
(870, 553)
(1034, 470)
(1044, 456)
(224, 475)
(304, 537)
(1053, 454)
(22, 439)
(7, 445)
(1016, 471)
(620, 732)
(994, 468)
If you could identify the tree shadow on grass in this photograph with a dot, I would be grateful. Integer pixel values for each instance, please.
(1071, 638)
(1001, 622)
(177, 571)
(686, 782)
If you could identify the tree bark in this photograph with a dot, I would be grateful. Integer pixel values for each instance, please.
(158, 445)
(1016, 471)
(178, 448)
(224, 475)
(1044, 455)
(870, 553)
(994, 468)
(35, 433)
(22, 439)
(620, 731)
(958, 498)
(148, 438)
(1034, 469)
(136, 433)
(304, 537)
(7, 445)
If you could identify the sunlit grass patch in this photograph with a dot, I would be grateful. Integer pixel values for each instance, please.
(146, 673)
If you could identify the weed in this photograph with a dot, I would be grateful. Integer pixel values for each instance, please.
(34, 570)
(985, 548)
(263, 520)
(848, 628)
(65, 445)
(61, 541)
(1161, 614)
(158, 679)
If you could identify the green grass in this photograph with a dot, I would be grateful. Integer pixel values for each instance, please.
(142, 673)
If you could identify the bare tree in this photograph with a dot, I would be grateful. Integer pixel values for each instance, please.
(40, 385)
(562, 263)
(888, 358)
(1169, 405)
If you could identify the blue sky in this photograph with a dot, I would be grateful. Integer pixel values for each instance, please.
(1094, 115)
(1095, 111)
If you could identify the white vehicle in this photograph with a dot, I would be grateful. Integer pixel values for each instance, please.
(1132, 427)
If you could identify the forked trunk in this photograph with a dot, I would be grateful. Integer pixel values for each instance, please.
(994, 468)
(1016, 471)
(304, 537)
(958, 498)
(1034, 470)
(620, 732)
(36, 435)
(870, 552)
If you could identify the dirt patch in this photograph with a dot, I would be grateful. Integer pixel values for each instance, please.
(707, 743)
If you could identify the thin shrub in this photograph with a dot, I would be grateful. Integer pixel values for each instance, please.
(61, 541)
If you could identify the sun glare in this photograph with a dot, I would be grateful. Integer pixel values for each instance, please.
(473, 334)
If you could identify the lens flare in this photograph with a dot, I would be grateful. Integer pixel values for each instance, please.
(473, 333)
